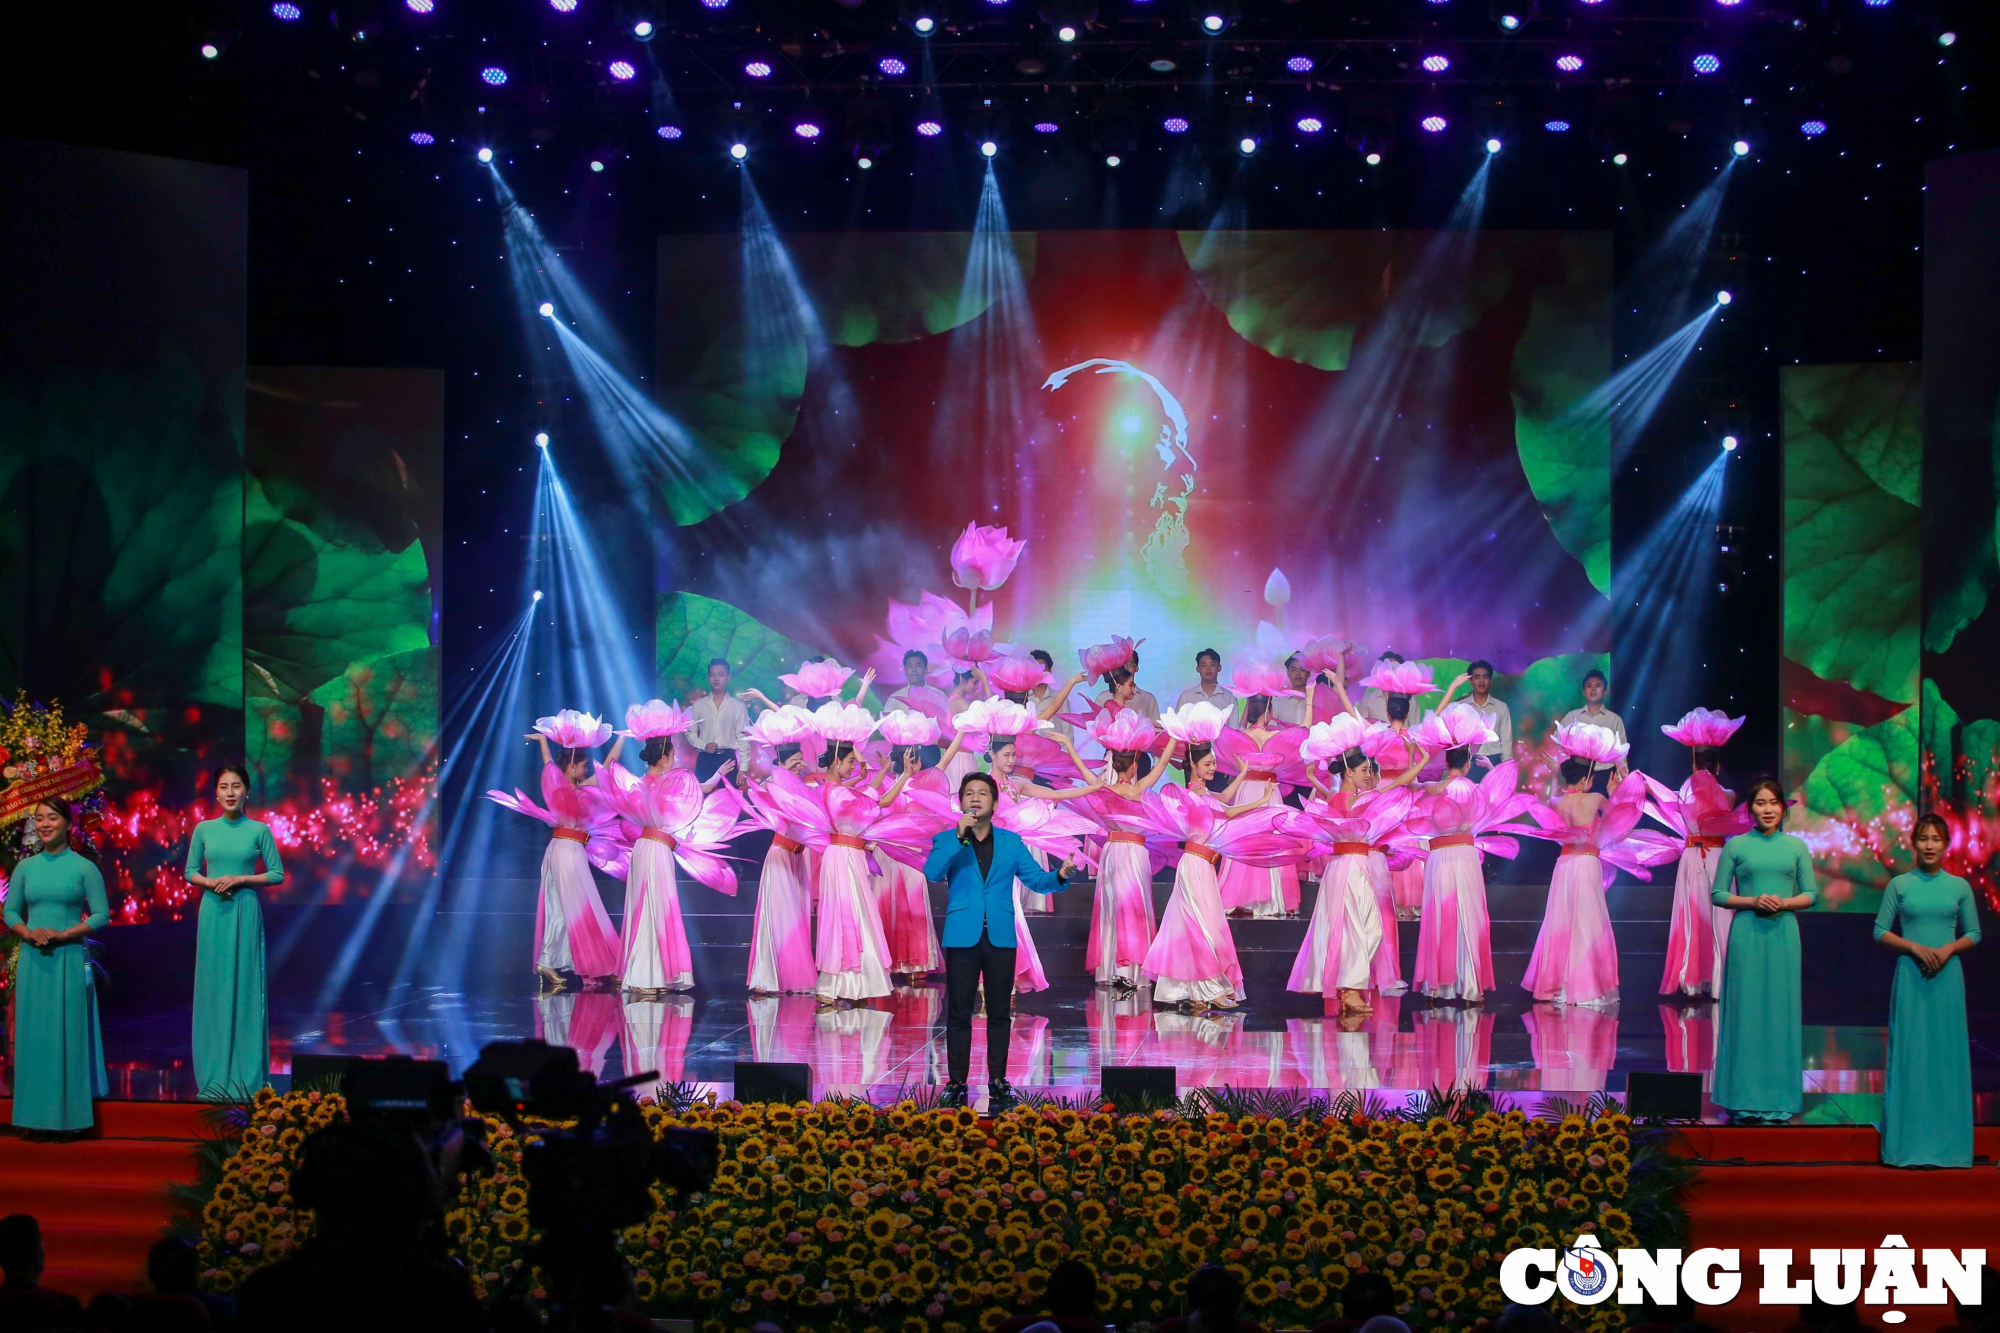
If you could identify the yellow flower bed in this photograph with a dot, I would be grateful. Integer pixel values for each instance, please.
(837, 1215)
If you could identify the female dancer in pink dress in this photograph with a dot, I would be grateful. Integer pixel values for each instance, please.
(1461, 819)
(1576, 958)
(1266, 754)
(573, 934)
(1016, 678)
(1398, 682)
(668, 815)
(851, 952)
(1121, 915)
(1192, 961)
(1705, 815)
(781, 940)
(900, 890)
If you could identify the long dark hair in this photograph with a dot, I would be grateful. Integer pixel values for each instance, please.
(1255, 707)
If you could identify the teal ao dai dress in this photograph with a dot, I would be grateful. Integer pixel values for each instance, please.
(232, 1040)
(1927, 1105)
(58, 1054)
(1759, 1055)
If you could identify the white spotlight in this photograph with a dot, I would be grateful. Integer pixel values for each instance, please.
(1246, 146)
(739, 151)
(1492, 146)
(1214, 23)
(542, 440)
(546, 310)
(1509, 22)
(538, 595)
(209, 50)
(924, 25)
(1065, 33)
(989, 148)
(864, 163)
(1111, 161)
(1729, 444)
(1619, 159)
(643, 30)
(1741, 148)
(596, 165)
(1373, 159)
(1723, 298)
(486, 155)
(1947, 39)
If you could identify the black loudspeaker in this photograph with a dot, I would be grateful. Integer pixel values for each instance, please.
(380, 1084)
(1654, 1095)
(321, 1073)
(762, 1081)
(1138, 1083)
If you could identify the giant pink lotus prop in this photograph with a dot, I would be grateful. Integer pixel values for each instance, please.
(1703, 726)
(922, 628)
(1620, 843)
(789, 725)
(1017, 674)
(908, 728)
(701, 826)
(656, 718)
(1328, 653)
(1326, 742)
(1400, 678)
(1194, 724)
(1583, 740)
(1262, 678)
(1457, 725)
(1126, 729)
(998, 717)
(818, 680)
(573, 730)
(982, 558)
(1101, 659)
(844, 722)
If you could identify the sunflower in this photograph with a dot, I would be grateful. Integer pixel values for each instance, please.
(961, 1293)
(956, 1209)
(916, 1324)
(992, 1319)
(1012, 1242)
(1318, 1229)
(1048, 1253)
(512, 1228)
(958, 1246)
(1090, 1211)
(880, 1226)
(867, 1288)
(882, 1270)
(1253, 1221)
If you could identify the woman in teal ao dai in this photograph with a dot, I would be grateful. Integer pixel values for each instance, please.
(1929, 918)
(54, 900)
(229, 859)
(1765, 876)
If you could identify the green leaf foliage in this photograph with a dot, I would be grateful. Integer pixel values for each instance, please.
(381, 717)
(1869, 771)
(1853, 530)
(694, 630)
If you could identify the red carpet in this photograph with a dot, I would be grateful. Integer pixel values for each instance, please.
(102, 1201)
(1806, 1186)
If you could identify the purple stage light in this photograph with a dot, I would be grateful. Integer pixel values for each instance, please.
(1300, 64)
(421, 6)
(1175, 125)
(1556, 126)
(1875, 4)
(563, 6)
(1437, 64)
(622, 70)
(493, 75)
(422, 138)
(715, 4)
(1706, 63)
(758, 69)
(1046, 127)
(1432, 124)
(1311, 124)
(668, 131)
(930, 129)
(1812, 129)
(892, 66)
(287, 12)
(1569, 64)
(805, 129)
(1729, 4)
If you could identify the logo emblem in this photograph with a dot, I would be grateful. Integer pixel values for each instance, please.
(1587, 1274)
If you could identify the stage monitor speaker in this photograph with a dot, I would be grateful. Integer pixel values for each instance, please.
(765, 1081)
(1138, 1083)
(320, 1073)
(1652, 1094)
(402, 1087)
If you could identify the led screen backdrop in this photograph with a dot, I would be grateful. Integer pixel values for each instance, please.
(1166, 417)
(1853, 547)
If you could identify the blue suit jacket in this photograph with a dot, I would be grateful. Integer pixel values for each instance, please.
(988, 904)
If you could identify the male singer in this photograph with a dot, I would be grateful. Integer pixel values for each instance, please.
(981, 863)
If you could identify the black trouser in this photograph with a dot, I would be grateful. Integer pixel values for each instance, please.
(962, 971)
(706, 762)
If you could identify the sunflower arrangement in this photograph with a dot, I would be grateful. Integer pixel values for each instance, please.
(841, 1215)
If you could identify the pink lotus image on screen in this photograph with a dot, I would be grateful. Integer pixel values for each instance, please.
(843, 722)
(1016, 674)
(1399, 678)
(1581, 740)
(1277, 589)
(656, 718)
(1703, 726)
(1329, 740)
(1262, 678)
(573, 730)
(982, 558)
(1458, 724)
(788, 725)
(969, 648)
(818, 680)
(1125, 729)
(907, 728)
(1194, 724)
(1327, 653)
(1101, 659)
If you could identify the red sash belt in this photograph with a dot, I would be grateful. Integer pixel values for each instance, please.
(780, 840)
(572, 835)
(1205, 852)
(1120, 835)
(1453, 840)
(1578, 849)
(1705, 840)
(1352, 848)
(658, 835)
(1381, 847)
(1260, 775)
(849, 840)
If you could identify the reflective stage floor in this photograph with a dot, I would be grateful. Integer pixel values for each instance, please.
(334, 989)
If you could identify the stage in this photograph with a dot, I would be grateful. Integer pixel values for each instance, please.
(1063, 1037)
